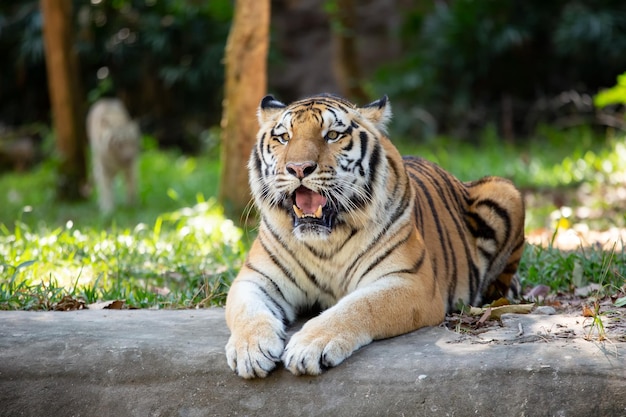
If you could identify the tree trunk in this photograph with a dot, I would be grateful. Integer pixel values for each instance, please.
(246, 83)
(65, 98)
(346, 63)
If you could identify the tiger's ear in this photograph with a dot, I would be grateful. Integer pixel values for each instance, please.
(378, 112)
(269, 109)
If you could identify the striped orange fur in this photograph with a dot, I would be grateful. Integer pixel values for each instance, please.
(381, 244)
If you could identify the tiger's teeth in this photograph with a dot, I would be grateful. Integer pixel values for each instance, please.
(318, 212)
(298, 212)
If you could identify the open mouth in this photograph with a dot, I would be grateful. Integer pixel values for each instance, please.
(312, 209)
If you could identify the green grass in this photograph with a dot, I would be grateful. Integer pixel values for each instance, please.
(185, 258)
(550, 159)
(564, 271)
(177, 250)
(168, 181)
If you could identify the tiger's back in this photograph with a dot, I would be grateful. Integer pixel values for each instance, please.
(384, 245)
(474, 231)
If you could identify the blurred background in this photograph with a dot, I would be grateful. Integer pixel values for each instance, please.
(449, 67)
(519, 73)
(511, 73)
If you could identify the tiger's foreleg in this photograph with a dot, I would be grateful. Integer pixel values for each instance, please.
(104, 183)
(256, 316)
(388, 307)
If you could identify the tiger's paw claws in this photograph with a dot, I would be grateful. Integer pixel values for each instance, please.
(312, 355)
(255, 356)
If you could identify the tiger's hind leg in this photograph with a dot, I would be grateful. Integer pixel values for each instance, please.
(506, 285)
(496, 214)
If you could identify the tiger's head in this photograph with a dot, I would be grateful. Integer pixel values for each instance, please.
(315, 162)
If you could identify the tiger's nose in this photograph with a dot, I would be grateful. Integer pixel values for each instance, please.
(301, 169)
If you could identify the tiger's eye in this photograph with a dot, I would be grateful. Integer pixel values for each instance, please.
(284, 138)
(332, 135)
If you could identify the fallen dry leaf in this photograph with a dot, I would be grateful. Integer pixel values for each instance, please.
(69, 303)
(106, 305)
(500, 302)
(587, 311)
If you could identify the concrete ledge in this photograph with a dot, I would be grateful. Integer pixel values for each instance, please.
(162, 363)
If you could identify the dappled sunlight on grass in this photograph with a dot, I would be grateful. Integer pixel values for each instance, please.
(205, 219)
(594, 199)
(191, 245)
(175, 249)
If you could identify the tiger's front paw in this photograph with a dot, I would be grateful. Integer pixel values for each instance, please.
(310, 352)
(254, 351)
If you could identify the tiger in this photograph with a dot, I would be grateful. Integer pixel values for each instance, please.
(114, 140)
(375, 244)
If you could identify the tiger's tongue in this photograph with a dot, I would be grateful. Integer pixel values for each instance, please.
(308, 200)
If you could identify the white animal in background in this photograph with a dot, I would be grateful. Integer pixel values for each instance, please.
(114, 140)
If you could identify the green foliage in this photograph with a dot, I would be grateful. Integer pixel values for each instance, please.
(613, 95)
(163, 57)
(465, 57)
(588, 32)
(22, 68)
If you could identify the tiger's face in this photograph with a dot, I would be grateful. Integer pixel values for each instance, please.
(315, 161)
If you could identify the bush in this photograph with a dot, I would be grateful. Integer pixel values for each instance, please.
(469, 63)
(163, 58)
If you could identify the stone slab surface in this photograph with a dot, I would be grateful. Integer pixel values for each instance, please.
(172, 363)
